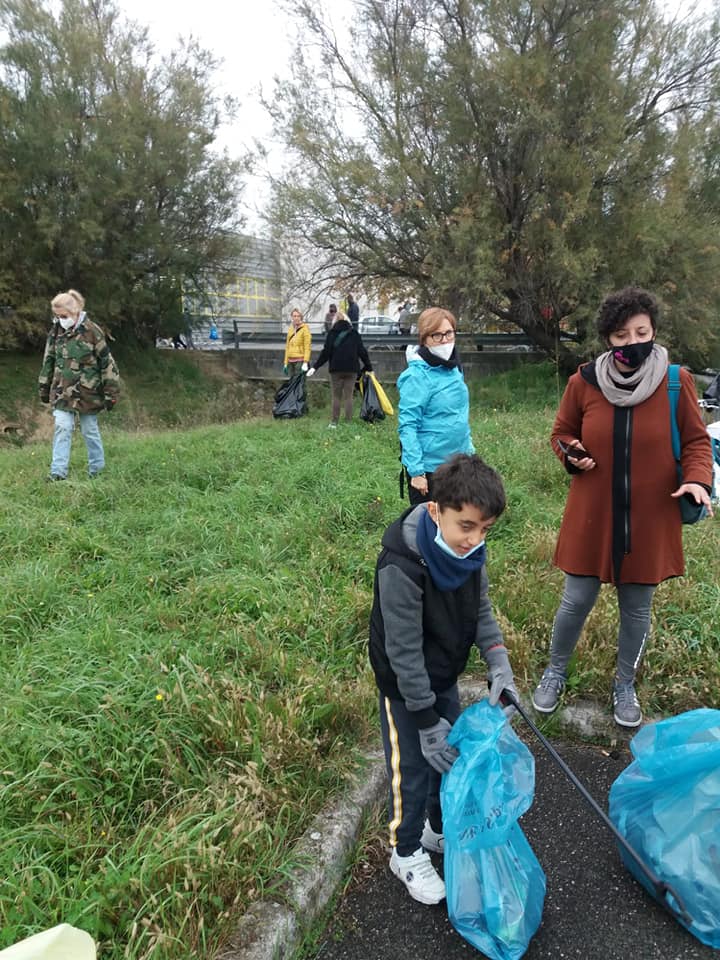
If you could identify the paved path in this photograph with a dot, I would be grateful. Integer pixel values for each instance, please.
(594, 909)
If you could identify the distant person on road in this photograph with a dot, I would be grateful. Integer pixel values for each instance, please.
(353, 312)
(434, 404)
(298, 346)
(188, 331)
(330, 317)
(343, 350)
(403, 319)
(213, 335)
(622, 521)
(78, 376)
(430, 606)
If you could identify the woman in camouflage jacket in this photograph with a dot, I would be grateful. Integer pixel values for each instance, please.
(78, 375)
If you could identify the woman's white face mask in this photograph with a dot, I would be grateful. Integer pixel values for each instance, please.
(67, 322)
(442, 350)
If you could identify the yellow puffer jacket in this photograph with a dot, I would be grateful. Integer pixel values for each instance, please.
(298, 344)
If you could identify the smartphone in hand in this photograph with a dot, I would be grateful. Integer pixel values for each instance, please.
(575, 453)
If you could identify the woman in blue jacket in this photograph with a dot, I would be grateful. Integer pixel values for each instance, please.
(434, 403)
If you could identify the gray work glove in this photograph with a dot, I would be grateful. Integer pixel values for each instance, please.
(435, 748)
(500, 677)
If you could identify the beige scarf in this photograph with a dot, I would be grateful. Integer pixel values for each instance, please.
(642, 383)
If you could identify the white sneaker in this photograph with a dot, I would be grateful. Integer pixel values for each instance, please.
(419, 876)
(435, 842)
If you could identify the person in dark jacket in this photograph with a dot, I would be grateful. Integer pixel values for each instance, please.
(344, 350)
(330, 317)
(353, 312)
(622, 522)
(430, 606)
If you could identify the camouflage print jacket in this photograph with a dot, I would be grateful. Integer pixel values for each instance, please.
(78, 370)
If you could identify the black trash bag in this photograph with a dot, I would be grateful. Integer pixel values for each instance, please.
(713, 390)
(370, 409)
(291, 399)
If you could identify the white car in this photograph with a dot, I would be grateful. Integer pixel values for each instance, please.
(378, 324)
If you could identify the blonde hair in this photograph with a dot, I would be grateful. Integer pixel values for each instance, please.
(431, 320)
(71, 300)
(297, 310)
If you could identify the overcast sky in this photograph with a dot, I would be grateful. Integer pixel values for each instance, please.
(255, 41)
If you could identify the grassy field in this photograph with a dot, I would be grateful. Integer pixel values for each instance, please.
(184, 677)
(160, 389)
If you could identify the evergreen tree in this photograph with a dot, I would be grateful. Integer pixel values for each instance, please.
(108, 182)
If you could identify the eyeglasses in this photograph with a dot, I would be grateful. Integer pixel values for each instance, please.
(447, 335)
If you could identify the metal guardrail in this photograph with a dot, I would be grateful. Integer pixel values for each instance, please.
(391, 341)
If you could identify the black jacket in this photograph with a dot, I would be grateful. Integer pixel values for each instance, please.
(344, 349)
(420, 637)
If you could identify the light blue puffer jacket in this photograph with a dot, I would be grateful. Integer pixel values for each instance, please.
(433, 415)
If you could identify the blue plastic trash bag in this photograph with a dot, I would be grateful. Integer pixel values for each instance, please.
(667, 806)
(494, 884)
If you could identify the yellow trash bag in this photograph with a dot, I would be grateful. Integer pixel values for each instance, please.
(387, 407)
(59, 943)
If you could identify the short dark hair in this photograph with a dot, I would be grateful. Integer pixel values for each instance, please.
(617, 307)
(466, 479)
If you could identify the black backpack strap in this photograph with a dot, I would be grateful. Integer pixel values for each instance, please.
(403, 476)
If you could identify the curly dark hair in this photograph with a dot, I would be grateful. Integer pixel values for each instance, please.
(466, 479)
(617, 307)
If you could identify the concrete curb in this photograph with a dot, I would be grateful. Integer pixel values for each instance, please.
(273, 930)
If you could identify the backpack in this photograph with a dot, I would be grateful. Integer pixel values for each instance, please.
(690, 511)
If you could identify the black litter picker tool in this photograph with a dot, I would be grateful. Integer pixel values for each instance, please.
(664, 892)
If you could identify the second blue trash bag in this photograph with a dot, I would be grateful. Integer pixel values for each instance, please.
(495, 885)
(667, 806)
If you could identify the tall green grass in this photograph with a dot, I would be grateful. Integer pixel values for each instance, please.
(160, 389)
(183, 653)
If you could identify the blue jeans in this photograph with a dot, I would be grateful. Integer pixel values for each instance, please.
(62, 441)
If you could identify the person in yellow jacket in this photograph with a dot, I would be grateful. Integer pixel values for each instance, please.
(297, 345)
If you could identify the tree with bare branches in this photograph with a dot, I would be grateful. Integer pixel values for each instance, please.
(512, 159)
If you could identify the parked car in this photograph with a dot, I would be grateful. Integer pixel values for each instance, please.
(378, 324)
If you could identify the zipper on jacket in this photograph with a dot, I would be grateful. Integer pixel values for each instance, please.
(627, 485)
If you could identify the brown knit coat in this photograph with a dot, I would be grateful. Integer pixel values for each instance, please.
(620, 522)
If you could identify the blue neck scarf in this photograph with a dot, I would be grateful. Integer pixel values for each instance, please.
(448, 573)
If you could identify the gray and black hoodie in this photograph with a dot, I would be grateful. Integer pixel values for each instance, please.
(420, 636)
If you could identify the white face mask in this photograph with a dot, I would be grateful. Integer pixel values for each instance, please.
(66, 322)
(442, 350)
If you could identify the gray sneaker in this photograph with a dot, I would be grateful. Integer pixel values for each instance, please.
(547, 692)
(435, 842)
(626, 706)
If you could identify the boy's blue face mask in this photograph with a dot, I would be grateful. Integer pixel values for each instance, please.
(449, 550)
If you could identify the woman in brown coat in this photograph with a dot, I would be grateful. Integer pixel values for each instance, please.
(622, 520)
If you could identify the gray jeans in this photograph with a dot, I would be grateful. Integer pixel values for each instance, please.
(578, 599)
